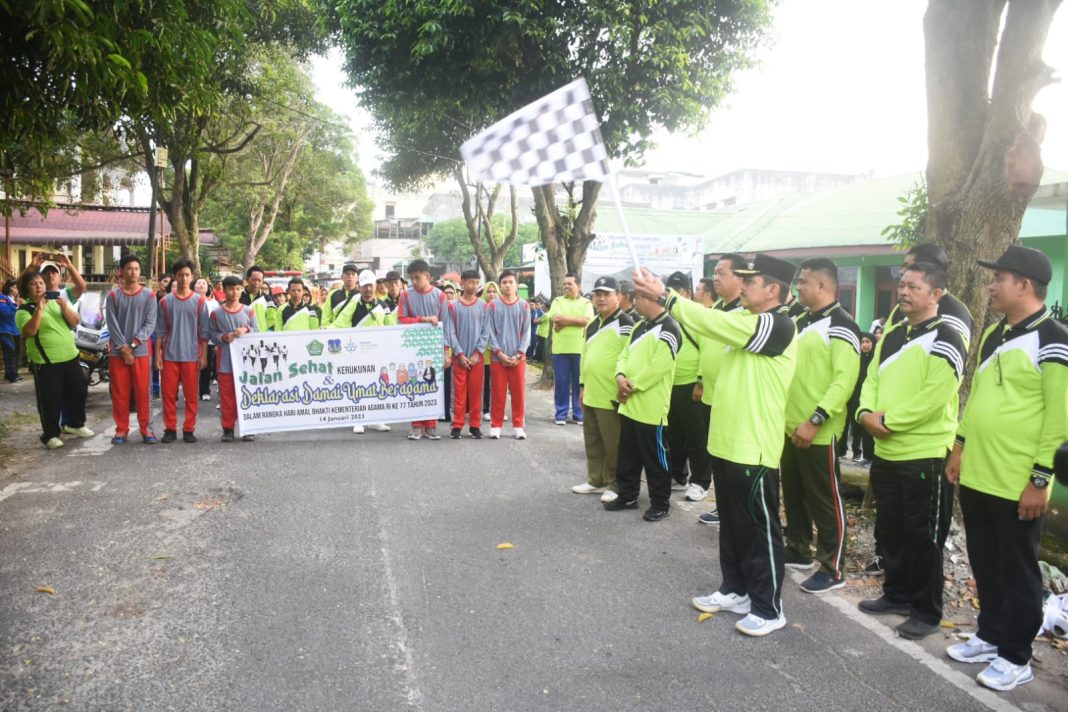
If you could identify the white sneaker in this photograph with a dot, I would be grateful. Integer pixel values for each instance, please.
(587, 488)
(53, 443)
(561, 422)
(974, 650)
(379, 428)
(609, 496)
(678, 486)
(1003, 675)
(695, 493)
(82, 432)
(416, 434)
(520, 434)
(205, 397)
(495, 433)
(757, 627)
(358, 429)
(716, 602)
(486, 416)
(432, 434)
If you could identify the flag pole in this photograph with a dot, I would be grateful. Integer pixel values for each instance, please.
(614, 187)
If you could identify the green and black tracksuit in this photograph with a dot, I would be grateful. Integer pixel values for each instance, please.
(336, 301)
(648, 362)
(262, 307)
(913, 380)
(1016, 418)
(745, 441)
(828, 359)
(688, 433)
(297, 318)
(605, 341)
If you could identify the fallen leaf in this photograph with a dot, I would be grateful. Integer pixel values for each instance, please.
(705, 616)
(1060, 644)
(948, 624)
(975, 603)
(162, 557)
(46, 589)
(505, 545)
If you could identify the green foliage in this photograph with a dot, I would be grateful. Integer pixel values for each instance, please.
(433, 72)
(449, 242)
(913, 214)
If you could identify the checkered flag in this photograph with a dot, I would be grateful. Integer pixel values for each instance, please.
(556, 139)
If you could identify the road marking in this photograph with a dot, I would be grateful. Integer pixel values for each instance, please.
(49, 487)
(940, 667)
(406, 664)
(101, 442)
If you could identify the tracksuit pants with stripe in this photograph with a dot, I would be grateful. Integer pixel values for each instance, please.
(811, 496)
(1003, 550)
(188, 374)
(467, 395)
(127, 381)
(750, 534)
(688, 438)
(914, 504)
(643, 447)
(508, 380)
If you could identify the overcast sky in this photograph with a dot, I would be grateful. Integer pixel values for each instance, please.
(840, 88)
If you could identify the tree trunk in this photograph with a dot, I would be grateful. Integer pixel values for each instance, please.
(478, 212)
(566, 234)
(984, 161)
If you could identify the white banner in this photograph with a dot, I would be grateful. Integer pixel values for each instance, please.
(300, 380)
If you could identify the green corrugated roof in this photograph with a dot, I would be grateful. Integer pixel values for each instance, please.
(849, 215)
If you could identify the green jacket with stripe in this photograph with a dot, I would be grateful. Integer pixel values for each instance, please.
(749, 403)
(605, 340)
(336, 301)
(303, 318)
(648, 361)
(357, 312)
(712, 353)
(913, 379)
(1017, 412)
(828, 362)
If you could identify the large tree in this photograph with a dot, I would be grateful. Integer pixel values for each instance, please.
(433, 72)
(984, 68)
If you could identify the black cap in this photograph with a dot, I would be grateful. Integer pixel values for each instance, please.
(626, 287)
(771, 267)
(679, 280)
(606, 284)
(392, 274)
(1025, 261)
(349, 267)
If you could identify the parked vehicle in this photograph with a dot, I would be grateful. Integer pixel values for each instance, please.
(91, 337)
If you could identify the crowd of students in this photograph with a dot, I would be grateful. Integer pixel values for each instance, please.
(733, 385)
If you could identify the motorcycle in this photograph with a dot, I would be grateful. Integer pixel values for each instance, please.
(91, 337)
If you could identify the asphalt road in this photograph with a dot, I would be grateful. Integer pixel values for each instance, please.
(327, 571)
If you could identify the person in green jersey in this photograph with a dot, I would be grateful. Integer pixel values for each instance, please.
(727, 285)
(257, 295)
(569, 313)
(745, 441)
(828, 360)
(45, 325)
(908, 404)
(338, 299)
(644, 373)
(691, 469)
(295, 315)
(606, 337)
(1015, 419)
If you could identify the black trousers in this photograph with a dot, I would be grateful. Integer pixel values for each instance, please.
(688, 438)
(448, 394)
(10, 345)
(486, 379)
(914, 504)
(58, 386)
(810, 494)
(643, 447)
(207, 374)
(750, 534)
(1004, 555)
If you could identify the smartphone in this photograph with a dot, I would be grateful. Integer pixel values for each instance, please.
(52, 295)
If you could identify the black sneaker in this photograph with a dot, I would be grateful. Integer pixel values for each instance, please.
(188, 437)
(228, 435)
(875, 568)
(882, 605)
(915, 629)
(619, 503)
(454, 433)
(169, 436)
(796, 561)
(709, 519)
(476, 433)
(655, 515)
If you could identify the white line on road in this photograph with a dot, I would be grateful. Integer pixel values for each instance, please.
(915, 651)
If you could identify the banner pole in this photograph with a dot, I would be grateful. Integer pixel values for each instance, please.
(614, 187)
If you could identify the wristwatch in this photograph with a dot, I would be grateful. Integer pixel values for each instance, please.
(816, 419)
(662, 300)
(1039, 482)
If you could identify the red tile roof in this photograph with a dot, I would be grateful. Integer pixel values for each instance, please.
(89, 225)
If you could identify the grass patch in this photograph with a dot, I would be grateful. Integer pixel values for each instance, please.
(14, 421)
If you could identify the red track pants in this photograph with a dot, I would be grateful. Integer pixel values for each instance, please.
(515, 379)
(467, 394)
(124, 381)
(228, 398)
(188, 373)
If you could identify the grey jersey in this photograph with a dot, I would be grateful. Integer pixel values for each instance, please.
(184, 324)
(222, 322)
(129, 317)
